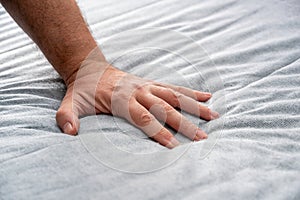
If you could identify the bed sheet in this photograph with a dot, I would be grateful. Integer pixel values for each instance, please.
(245, 52)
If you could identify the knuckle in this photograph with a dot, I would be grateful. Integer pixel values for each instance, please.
(163, 134)
(179, 89)
(173, 97)
(140, 88)
(146, 118)
(168, 109)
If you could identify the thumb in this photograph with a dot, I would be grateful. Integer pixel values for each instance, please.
(67, 117)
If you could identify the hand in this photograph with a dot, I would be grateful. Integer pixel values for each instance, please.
(97, 87)
(101, 88)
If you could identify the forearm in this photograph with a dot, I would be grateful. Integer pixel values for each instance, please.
(59, 30)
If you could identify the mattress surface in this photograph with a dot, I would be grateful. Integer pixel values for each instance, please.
(245, 52)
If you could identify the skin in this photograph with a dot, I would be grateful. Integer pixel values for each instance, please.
(61, 33)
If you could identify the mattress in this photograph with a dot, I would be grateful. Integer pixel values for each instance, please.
(245, 52)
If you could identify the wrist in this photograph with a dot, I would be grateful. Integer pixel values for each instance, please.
(70, 69)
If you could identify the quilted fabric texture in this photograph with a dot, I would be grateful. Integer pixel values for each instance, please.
(249, 60)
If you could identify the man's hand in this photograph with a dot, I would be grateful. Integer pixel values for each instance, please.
(99, 88)
(94, 86)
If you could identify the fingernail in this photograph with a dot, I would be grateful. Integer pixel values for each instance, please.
(67, 128)
(214, 115)
(207, 93)
(201, 134)
(173, 143)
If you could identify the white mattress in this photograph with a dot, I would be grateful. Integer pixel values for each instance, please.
(245, 53)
